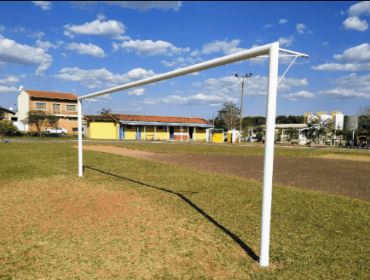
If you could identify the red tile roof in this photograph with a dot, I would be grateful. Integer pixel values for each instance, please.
(143, 118)
(51, 95)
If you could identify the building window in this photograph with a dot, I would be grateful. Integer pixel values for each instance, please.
(160, 127)
(56, 108)
(71, 108)
(128, 126)
(40, 106)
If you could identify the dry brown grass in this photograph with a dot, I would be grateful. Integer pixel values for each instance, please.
(62, 228)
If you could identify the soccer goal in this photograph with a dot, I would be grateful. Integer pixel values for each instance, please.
(273, 52)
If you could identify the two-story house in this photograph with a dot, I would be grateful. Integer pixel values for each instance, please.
(62, 105)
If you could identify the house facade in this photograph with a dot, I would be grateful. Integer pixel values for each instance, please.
(62, 105)
(6, 114)
(140, 127)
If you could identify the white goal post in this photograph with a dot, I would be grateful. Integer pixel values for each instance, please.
(272, 51)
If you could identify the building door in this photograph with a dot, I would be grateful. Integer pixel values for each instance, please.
(191, 132)
(138, 132)
(121, 132)
(172, 133)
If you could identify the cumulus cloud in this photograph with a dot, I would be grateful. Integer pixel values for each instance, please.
(181, 61)
(149, 47)
(299, 95)
(361, 8)
(286, 41)
(350, 86)
(48, 45)
(98, 27)
(195, 99)
(43, 5)
(355, 23)
(301, 28)
(359, 53)
(97, 78)
(136, 91)
(226, 47)
(86, 49)
(350, 67)
(353, 59)
(13, 52)
(8, 89)
(7, 84)
(283, 21)
(215, 91)
(140, 5)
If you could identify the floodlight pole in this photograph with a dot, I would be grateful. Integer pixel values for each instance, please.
(79, 124)
(269, 154)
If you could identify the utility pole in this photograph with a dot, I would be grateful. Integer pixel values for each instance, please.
(243, 77)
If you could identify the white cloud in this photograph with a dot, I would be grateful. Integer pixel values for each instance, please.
(361, 8)
(351, 67)
(286, 41)
(140, 5)
(269, 25)
(283, 21)
(354, 59)
(350, 86)
(136, 91)
(355, 23)
(298, 95)
(48, 45)
(98, 27)
(181, 61)
(8, 89)
(43, 5)
(149, 47)
(226, 47)
(13, 52)
(87, 49)
(301, 28)
(10, 80)
(95, 78)
(2, 28)
(195, 99)
(359, 53)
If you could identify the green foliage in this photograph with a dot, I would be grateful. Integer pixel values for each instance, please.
(289, 119)
(228, 117)
(292, 133)
(7, 128)
(40, 120)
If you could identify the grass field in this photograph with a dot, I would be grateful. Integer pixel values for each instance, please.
(135, 219)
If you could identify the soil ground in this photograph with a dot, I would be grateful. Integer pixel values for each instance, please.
(348, 177)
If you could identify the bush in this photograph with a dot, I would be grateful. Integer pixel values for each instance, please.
(7, 128)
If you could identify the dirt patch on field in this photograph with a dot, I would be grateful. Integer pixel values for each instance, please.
(346, 157)
(342, 177)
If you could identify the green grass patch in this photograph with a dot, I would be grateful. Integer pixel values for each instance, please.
(175, 224)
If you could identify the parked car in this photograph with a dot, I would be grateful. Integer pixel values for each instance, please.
(56, 131)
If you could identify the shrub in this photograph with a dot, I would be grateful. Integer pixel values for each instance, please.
(7, 128)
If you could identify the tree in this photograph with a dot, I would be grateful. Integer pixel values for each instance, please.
(7, 128)
(40, 120)
(105, 111)
(364, 122)
(228, 116)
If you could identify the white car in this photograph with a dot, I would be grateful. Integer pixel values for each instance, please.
(58, 131)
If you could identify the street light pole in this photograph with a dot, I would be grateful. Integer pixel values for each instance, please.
(241, 100)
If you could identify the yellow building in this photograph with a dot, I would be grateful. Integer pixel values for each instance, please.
(140, 127)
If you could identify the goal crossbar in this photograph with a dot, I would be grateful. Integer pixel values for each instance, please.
(270, 50)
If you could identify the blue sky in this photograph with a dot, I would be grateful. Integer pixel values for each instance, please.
(85, 47)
